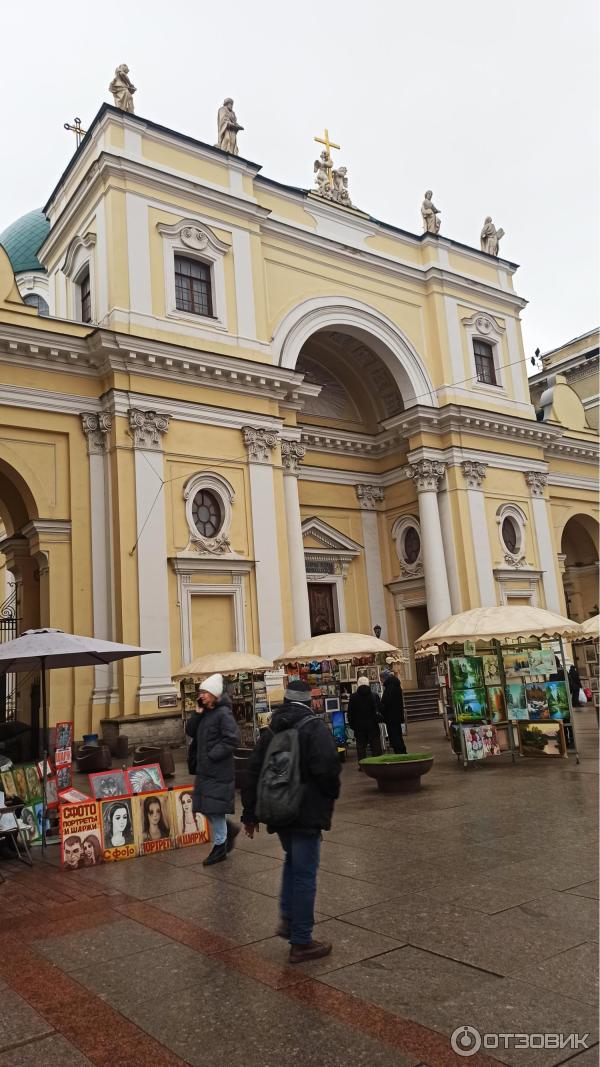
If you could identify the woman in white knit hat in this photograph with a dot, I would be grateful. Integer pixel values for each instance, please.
(215, 737)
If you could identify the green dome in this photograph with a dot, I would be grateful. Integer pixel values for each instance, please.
(22, 239)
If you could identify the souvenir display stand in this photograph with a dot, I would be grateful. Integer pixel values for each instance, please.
(586, 654)
(503, 685)
(248, 680)
(331, 664)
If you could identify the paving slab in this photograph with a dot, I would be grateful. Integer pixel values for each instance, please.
(574, 972)
(350, 945)
(54, 1051)
(95, 947)
(19, 1021)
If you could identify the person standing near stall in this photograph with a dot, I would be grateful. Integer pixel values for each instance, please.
(392, 710)
(364, 710)
(215, 736)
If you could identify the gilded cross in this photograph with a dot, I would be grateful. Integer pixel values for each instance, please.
(328, 145)
(77, 129)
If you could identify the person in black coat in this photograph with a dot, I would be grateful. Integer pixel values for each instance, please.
(364, 710)
(392, 709)
(574, 682)
(301, 841)
(215, 736)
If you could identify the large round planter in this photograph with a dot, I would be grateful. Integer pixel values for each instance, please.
(397, 774)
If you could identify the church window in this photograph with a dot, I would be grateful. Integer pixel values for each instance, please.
(484, 362)
(510, 535)
(193, 289)
(85, 296)
(34, 300)
(412, 545)
(206, 513)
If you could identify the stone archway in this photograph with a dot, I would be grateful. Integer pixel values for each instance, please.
(579, 560)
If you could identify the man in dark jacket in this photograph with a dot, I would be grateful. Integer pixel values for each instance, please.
(301, 841)
(392, 709)
(364, 708)
(215, 736)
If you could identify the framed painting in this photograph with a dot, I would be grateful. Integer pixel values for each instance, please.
(120, 836)
(470, 704)
(473, 740)
(542, 739)
(155, 822)
(491, 670)
(489, 738)
(466, 672)
(343, 670)
(191, 828)
(34, 786)
(496, 703)
(558, 701)
(20, 783)
(516, 701)
(145, 779)
(516, 664)
(537, 701)
(64, 776)
(80, 834)
(64, 735)
(106, 784)
(541, 661)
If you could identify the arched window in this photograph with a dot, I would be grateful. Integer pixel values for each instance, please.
(484, 362)
(34, 300)
(510, 535)
(512, 523)
(209, 510)
(207, 513)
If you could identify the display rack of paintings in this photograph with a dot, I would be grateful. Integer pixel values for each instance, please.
(491, 695)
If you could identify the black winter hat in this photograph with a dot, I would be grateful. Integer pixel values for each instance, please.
(298, 691)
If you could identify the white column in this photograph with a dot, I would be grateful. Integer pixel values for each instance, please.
(368, 497)
(259, 444)
(537, 482)
(96, 427)
(427, 475)
(449, 550)
(148, 429)
(292, 452)
(474, 475)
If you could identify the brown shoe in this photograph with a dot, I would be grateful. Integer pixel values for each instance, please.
(314, 951)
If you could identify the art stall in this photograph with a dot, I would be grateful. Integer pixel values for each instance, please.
(331, 665)
(586, 656)
(502, 674)
(250, 681)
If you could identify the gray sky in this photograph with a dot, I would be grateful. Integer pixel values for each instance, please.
(493, 106)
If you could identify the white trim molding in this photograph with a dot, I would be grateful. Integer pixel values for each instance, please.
(195, 240)
(233, 571)
(484, 327)
(79, 258)
(400, 529)
(517, 516)
(523, 583)
(223, 491)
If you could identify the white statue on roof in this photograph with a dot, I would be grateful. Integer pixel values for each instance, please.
(122, 88)
(490, 237)
(228, 128)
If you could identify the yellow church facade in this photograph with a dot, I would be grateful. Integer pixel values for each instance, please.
(233, 413)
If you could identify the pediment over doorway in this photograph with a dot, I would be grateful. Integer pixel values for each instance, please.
(318, 534)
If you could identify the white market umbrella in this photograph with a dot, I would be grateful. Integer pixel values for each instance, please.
(46, 649)
(500, 624)
(223, 663)
(334, 646)
(590, 629)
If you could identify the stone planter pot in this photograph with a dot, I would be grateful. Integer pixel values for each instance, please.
(398, 774)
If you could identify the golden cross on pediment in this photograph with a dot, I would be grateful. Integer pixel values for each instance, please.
(328, 146)
(77, 129)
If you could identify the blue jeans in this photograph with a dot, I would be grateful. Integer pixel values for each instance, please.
(218, 829)
(299, 883)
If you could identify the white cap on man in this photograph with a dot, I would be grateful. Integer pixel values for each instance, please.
(213, 684)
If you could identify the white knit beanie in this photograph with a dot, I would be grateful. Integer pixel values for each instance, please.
(213, 684)
(362, 681)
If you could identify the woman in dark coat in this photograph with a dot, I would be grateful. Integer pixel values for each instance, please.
(392, 709)
(215, 737)
(363, 718)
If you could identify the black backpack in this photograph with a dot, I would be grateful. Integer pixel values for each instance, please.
(280, 788)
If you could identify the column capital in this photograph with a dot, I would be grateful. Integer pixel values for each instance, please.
(369, 496)
(537, 482)
(474, 473)
(427, 474)
(148, 428)
(96, 426)
(259, 443)
(292, 453)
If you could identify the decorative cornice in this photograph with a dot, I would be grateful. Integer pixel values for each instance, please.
(369, 496)
(537, 482)
(148, 428)
(427, 475)
(292, 453)
(474, 473)
(194, 235)
(259, 443)
(96, 426)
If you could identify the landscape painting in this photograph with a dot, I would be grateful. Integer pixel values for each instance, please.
(496, 703)
(542, 739)
(541, 661)
(470, 705)
(516, 664)
(558, 701)
(466, 672)
(516, 701)
(537, 701)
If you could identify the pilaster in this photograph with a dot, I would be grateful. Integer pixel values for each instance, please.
(537, 482)
(369, 496)
(292, 453)
(259, 444)
(474, 475)
(427, 475)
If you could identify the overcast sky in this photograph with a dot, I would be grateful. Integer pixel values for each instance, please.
(494, 106)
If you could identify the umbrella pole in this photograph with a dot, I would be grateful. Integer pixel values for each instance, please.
(572, 717)
(44, 753)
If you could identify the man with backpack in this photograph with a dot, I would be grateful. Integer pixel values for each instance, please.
(292, 782)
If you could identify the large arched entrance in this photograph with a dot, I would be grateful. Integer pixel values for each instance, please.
(20, 602)
(579, 556)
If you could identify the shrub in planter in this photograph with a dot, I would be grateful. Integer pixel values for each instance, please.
(400, 773)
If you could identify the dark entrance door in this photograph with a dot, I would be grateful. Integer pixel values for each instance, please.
(320, 602)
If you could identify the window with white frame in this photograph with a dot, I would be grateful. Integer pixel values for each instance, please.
(406, 533)
(512, 524)
(34, 300)
(78, 267)
(485, 339)
(84, 285)
(209, 510)
(484, 362)
(193, 286)
(194, 274)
